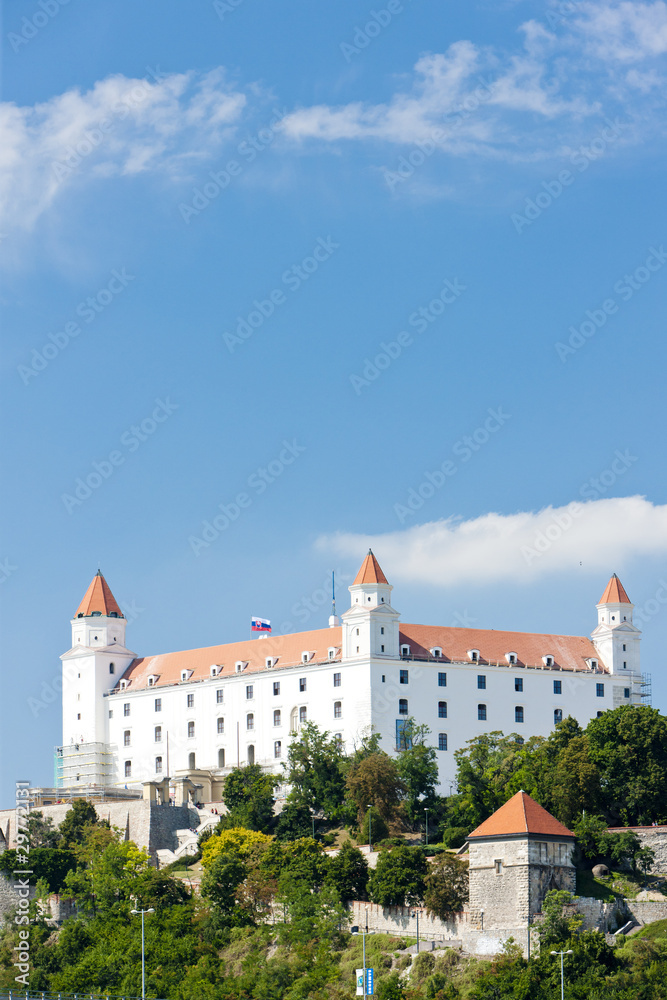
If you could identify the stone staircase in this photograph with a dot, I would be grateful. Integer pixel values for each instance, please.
(188, 840)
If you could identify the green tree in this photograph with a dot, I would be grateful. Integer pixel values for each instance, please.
(629, 747)
(314, 769)
(417, 767)
(485, 767)
(347, 872)
(294, 821)
(221, 884)
(248, 795)
(52, 865)
(590, 831)
(374, 780)
(78, 818)
(42, 832)
(558, 926)
(446, 886)
(399, 877)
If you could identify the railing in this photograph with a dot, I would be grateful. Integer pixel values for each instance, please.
(39, 995)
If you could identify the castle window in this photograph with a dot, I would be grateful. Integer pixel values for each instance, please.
(558, 715)
(128, 768)
(405, 650)
(548, 661)
(518, 713)
(473, 655)
(158, 734)
(303, 715)
(382, 600)
(382, 632)
(558, 687)
(599, 690)
(332, 653)
(442, 741)
(498, 866)
(623, 647)
(191, 761)
(625, 665)
(221, 726)
(219, 696)
(250, 720)
(481, 682)
(78, 717)
(403, 676)
(384, 679)
(518, 683)
(277, 749)
(111, 713)
(191, 701)
(249, 691)
(369, 599)
(626, 692)
(276, 687)
(277, 717)
(442, 709)
(302, 683)
(442, 680)
(382, 649)
(126, 709)
(511, 657)
(221, 757)
(481, 713)
(158, 765)
(191, 730)
(158, 704)
(123, 685)
(336, 680)
(214, 669)
(112, 667)
(402, 706)
(269, 661)
(251, 754)
(357, 631)
(338, 710)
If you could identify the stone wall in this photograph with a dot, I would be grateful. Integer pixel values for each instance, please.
(646, 911)
(8, 897)
(654, 837)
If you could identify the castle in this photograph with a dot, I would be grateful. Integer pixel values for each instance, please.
(185, 718)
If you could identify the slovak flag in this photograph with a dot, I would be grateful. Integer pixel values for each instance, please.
(260, 625)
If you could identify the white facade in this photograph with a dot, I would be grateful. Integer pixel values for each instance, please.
(212, 709)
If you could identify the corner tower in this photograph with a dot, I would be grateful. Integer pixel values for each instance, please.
(370, 625)
(616, 638)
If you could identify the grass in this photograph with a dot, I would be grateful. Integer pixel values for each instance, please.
(609, 886)
(658, 929)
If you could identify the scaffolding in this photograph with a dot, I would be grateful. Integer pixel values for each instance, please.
(646, 689)
(81, 764)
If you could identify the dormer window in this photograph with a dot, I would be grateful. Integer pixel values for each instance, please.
(331, 652)
(473, 655)
(511, 657)
(593, 664)
(215, 669)
(306, 656)
(186, 674)
(240, 665)
(436, 651)
(123, 685)
(270, 661)
(548, 661)
(152, 680)
(405, 650)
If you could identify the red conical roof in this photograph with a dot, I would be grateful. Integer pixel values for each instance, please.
(98, 598)
(521, 814)
(370, 571)
(615, 593)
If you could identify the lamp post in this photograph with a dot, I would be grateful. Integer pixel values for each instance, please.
(357, 930)
(370, 840)
(562, 974)
(416, 914)
(426, 811)
(143, 951)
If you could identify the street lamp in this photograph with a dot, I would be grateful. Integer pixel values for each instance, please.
(370, 842)
(426, 811)
(562, 974)
(357, 930)
(143, 951)
(416, 914)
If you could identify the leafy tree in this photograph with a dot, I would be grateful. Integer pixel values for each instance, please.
(112, 876)
(238, 841)
(42, 832)
(454, 836)
(248, 795)
(294, 821)
(222, 879)
(399, 877)
(373, 828)
(417, 767)
(347, 872)
(644, 860)
(485, 766)
(629, 747)
(446, 886)
(557, 927)
(73, 827)
(314, 769)
(49, 864)
(590, 831)
(374, 780)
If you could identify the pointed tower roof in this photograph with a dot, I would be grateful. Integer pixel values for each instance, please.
(98, 598)
(615, 593)
(521, 814)
(370, 571)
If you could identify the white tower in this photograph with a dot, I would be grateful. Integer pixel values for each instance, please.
(616, 639)
(370, 625)
(91, 668)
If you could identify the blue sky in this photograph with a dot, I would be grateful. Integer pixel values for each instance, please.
(409, 262)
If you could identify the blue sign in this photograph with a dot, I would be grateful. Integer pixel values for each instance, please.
(369, 982)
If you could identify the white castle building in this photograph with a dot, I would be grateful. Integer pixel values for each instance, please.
(129, 720)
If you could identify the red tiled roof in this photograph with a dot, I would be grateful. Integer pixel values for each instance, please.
(370, 571)
(98, 597)
(615, 593)
(570, 652)
(521, 814)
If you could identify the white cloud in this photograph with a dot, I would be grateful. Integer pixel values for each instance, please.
(602, 534)
(626, 32)
(120, 127)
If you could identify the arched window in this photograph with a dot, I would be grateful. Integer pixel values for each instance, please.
(518, 713)
(442, 709)
(191, 730)
(481, 713)
(251, 754)
(402, 706)
(221, 758)
(112, 668)
(221, 726)
(158, 765)
(442, 741)
(158, 734)
(558, 715)
(128, 768)
(250, 721)
(338, 710)
(191, 761)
